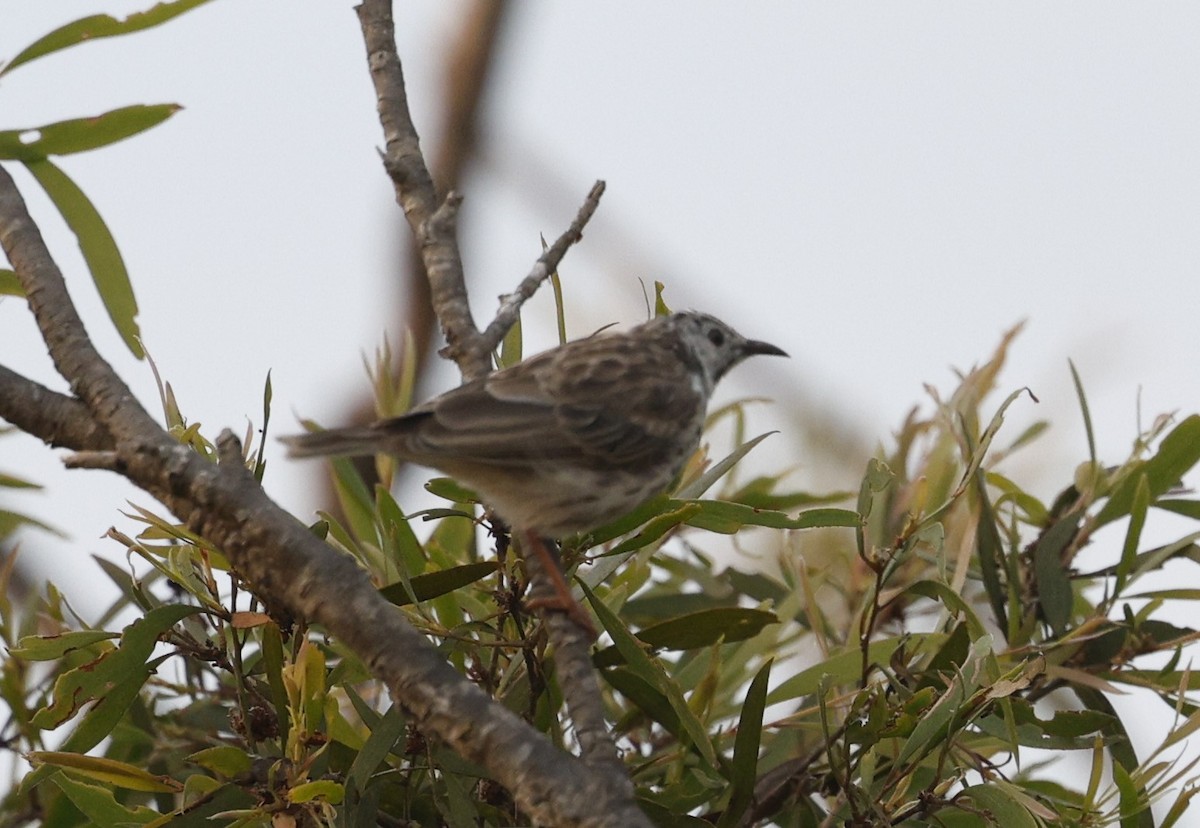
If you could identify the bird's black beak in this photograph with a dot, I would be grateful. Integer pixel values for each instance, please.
(754, 347)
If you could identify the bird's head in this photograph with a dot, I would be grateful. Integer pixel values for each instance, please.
(716, 346)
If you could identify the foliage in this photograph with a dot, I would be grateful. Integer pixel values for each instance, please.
(947, 639)
(883, 725)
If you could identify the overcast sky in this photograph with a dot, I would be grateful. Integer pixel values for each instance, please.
(881, 189)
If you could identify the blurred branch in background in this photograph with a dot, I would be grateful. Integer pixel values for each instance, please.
(469, 66)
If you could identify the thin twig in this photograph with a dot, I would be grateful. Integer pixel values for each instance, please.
(547, 263)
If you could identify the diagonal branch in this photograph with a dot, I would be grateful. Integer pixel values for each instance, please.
(55, 419)
(547, 263)
(290, 567)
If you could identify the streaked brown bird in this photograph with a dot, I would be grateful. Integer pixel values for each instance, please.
(574, 437)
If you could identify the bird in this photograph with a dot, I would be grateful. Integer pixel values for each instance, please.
(572, 438)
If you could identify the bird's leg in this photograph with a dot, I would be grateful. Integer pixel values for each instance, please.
(557, 597)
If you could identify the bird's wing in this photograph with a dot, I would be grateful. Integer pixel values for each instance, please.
(625, 401)
(600, 401)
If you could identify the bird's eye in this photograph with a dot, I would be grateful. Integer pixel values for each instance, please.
(716, 337)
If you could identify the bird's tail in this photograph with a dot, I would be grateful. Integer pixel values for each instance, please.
(347, 441)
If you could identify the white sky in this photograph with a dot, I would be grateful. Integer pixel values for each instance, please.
(881, 189)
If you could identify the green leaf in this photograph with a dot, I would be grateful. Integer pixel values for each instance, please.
(99, 250)
(1055, 596)
(991, 555)
(1035, 511)
(644, 697)
(82, 134)
(10, 285)
(841, 668)
(1137, 520)
(1117, 737)
(745, 749)
(98, 26)
(664, 817)
(512, 346)
(726, 518)
(560, 315)
(1179, 806)
(878, 479)
(49, 647)
(226, 760)
(660, 304)
(653, 674)
(383, 736)
(98, 803)
(432, 584)
(1187, 508)
(651, 609)
(707, 627)
(760, 494)
(273, 664)
(396, 535)
(354, 497)
(109, 772)
(1065, 730)
(656, 527)
(1004, 808)
(115, 678)
(325, 789)
(1087, 416)
(935, 726)
(953, 601)
(10, 521)
(719, 469)
(1133, 802)
(449, 489)
(1177, 453)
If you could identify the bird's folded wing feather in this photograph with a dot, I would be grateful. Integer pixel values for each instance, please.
(597, 402)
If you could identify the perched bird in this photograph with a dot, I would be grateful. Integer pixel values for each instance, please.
(574, 437)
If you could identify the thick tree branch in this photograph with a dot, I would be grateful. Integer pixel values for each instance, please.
(91, 378)
(290, 567)
(55, 419)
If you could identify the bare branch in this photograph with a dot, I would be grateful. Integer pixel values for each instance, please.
(469, 69)
(438, 239)
(402, 156)
(547, 263)
(54, 418)
(433, 226)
